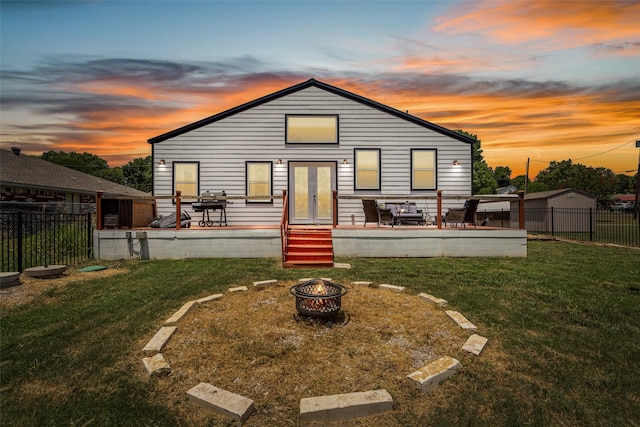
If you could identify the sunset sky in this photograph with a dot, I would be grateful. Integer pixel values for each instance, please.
(548, 80)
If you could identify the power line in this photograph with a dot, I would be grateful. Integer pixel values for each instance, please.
(591, 155)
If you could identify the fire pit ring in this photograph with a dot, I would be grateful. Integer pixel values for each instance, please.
(318, 297)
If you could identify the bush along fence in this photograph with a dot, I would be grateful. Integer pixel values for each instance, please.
(592, 225)
(31, 239)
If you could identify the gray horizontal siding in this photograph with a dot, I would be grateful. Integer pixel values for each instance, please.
(223, 147)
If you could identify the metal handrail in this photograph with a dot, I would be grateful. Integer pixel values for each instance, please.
(284, 224)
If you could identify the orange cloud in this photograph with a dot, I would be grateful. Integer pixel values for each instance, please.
(557, 24)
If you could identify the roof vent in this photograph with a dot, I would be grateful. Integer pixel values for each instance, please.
(15, 150)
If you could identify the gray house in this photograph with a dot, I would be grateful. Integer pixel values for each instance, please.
(310, 139)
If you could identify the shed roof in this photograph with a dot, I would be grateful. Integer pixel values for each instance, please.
(29, 171)
(555, 193)
(305, 85)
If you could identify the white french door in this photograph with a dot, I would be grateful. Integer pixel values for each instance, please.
(311, 187)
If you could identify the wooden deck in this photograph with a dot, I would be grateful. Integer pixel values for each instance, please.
(348, 241)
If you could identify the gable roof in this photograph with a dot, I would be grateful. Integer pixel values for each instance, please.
(29, 171)
(305, 85)
(555, 193)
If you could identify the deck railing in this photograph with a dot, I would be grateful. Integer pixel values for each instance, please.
(439, 198)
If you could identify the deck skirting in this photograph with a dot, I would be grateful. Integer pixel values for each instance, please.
(418, 243)
(412, 242)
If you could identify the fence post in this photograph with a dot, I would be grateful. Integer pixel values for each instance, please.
(20, 242)
(591, 224)
(553, 223)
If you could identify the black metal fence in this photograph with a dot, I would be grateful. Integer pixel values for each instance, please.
(592, 225)
(44, 237)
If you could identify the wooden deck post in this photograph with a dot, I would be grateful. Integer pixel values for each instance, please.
(335, 208)
(439, 219)
(99, 210)
(178, 210)
(521, 210)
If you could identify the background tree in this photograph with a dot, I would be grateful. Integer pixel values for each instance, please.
(484, 181)
(137, 173)
(599, 182)
(502, 174)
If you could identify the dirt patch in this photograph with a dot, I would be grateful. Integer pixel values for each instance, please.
(31, 289)
(250, 344)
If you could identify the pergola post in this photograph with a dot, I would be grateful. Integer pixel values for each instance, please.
(439, 219)
(99, 210)
(178, 210)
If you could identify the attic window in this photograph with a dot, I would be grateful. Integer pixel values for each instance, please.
(311, 129)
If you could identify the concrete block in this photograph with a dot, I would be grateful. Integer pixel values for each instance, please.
(221, 401)
(361, 283)
(341, 265)
(437, 301)
(394, 288)
(179, 315)
(430, 376)
(461, 321)
(8, 279)
(209, 298)
(159, 340)
(345, 406)
(239, 289)
(475, 344)
(156, 365)
(265, 283)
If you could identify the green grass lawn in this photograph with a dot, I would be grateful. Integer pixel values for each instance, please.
(563, 326)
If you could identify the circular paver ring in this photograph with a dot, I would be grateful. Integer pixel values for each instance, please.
(9, 279)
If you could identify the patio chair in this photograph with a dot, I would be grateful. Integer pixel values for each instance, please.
(464, 215)
(373, 213)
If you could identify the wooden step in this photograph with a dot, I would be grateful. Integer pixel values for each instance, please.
(309, 247)
(309, 256)
(307, 264)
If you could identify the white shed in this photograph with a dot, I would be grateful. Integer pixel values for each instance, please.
(310, 139)
(564, 210)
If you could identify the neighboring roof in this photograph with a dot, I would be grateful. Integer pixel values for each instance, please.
(29, 171)
(305, 85)
(555, 193)
(624, 197)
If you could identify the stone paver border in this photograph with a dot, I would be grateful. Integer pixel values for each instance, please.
(322, 408)
(222, 401)
(348, 406)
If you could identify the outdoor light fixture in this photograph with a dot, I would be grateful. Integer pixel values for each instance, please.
(279, 162)
(456, 163)
(345, 162)
(162, 162)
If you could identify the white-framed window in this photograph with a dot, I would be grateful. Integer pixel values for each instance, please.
(259, 181)
(311, 129)
(186, 178)
(367, 169)
(423, 169)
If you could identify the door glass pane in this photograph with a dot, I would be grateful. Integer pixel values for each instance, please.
(324, 192)
(301, 192)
